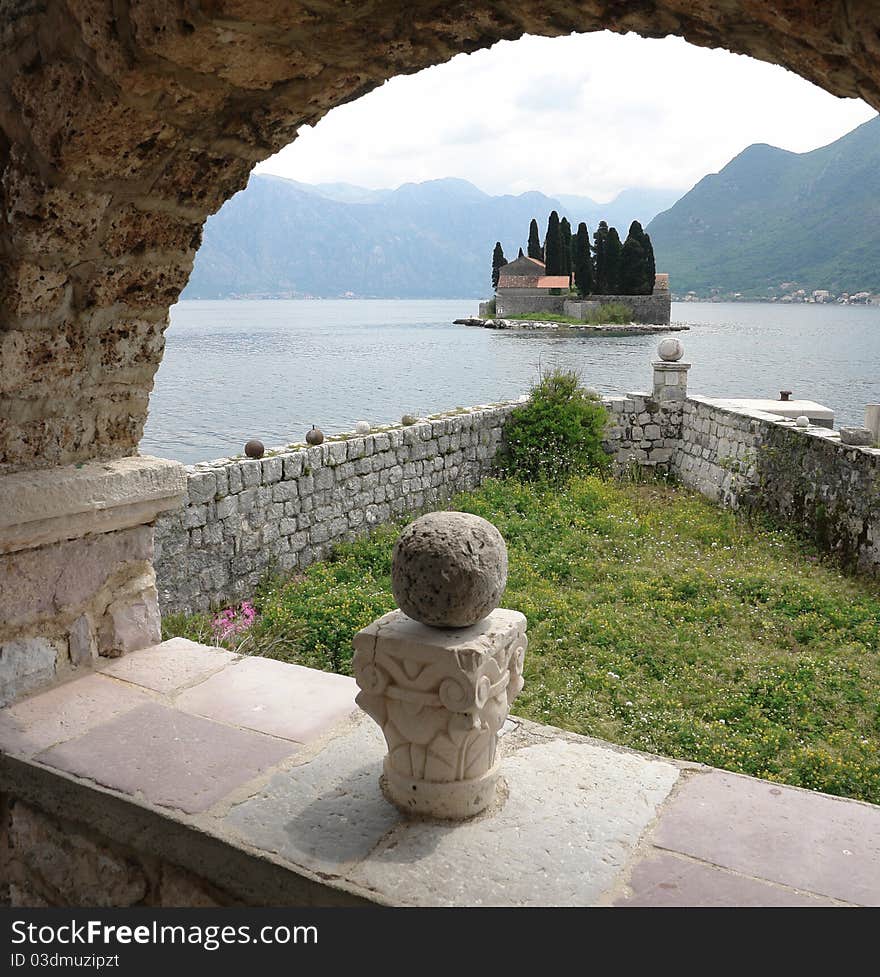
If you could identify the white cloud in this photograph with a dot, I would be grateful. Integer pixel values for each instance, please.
(588, 114)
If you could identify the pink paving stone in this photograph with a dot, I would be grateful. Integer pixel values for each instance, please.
(273, 697)
(670, 880)
(170, 666)
(168, 757)
(805, 840)
(64, 712)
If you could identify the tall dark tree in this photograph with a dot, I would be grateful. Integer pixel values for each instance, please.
(650, 267)
(632, 262)
(520, 255)
(600, 249)
(498, 262)
(553, 247)
(535, 250)
(583, 261)
(637, 262)
(565, 245)
(612, 259)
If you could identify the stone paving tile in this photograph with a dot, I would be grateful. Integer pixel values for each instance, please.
(326, 813)
(273, 697)
(64, 712)
(670, 880)
(574, 813)
(170, 666)
(172, 759)
(805, 840)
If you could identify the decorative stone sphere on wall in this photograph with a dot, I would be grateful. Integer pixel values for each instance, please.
(449, 569)
(362, 427)
(315, 436)
(407, 420)
(802, 421)
(670, 350)
(254, 449)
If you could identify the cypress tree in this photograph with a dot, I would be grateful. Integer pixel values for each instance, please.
(612, 259)
(583, 262)
(650, 269)
(535, 250)
(498, 262)
(600, 248)
(632, 262)
(520, 255)
(565, 242)
(553, 247)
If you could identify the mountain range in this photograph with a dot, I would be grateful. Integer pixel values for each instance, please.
(771, 221)
(281, 238)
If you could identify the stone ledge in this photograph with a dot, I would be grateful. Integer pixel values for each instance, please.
(582, 822)
(50, 505)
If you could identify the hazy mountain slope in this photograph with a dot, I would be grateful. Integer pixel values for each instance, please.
(772, 216)
(432, 240)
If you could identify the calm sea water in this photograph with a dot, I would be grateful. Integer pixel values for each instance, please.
(269, 370)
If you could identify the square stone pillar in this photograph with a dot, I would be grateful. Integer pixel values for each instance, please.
(670, 381)
(76, 565)
(872, 421)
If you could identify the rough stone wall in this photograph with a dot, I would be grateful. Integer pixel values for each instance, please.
(64, 604)
(826, 489)
(805, 478)
(127, 122)
(241, 518)
(642, 433)
(45, 861)
(653, 309)
(717, 452)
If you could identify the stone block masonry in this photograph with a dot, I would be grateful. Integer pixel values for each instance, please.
(242, 518)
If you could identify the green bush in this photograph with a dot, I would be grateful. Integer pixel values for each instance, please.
(611, 313)
(557, 434)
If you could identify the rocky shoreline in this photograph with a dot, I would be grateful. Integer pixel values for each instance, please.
(629, 329)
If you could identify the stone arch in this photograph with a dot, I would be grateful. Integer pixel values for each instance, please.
(125, 123)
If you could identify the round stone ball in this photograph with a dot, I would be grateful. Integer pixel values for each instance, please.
(670, 350)
(407, 420)
(254, 449)
(362, 427)
(449, 569)
(315, 436)
(802, 421)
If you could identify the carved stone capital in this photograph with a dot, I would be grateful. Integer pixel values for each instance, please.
(441, 698)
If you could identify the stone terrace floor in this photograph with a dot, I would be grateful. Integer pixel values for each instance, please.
(273, 763)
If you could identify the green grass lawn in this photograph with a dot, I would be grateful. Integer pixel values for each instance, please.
(656, 620)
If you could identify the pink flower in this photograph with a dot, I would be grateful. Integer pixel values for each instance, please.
(230, 623)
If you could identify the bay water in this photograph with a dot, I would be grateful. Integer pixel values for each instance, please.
(236, 370)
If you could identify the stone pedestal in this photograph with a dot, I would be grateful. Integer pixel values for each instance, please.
(441, 697)
(670, 381)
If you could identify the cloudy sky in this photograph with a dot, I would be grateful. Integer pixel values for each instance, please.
(587, 114)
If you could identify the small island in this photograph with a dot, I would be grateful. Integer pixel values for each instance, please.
(570, 284)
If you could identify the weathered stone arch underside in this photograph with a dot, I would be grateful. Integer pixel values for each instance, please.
(125, 123)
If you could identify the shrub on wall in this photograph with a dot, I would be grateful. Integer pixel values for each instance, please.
(557, 434)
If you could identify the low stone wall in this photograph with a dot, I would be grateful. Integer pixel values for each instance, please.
(716, 452)
(804, 477)
(241, 518)
(653, 309)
